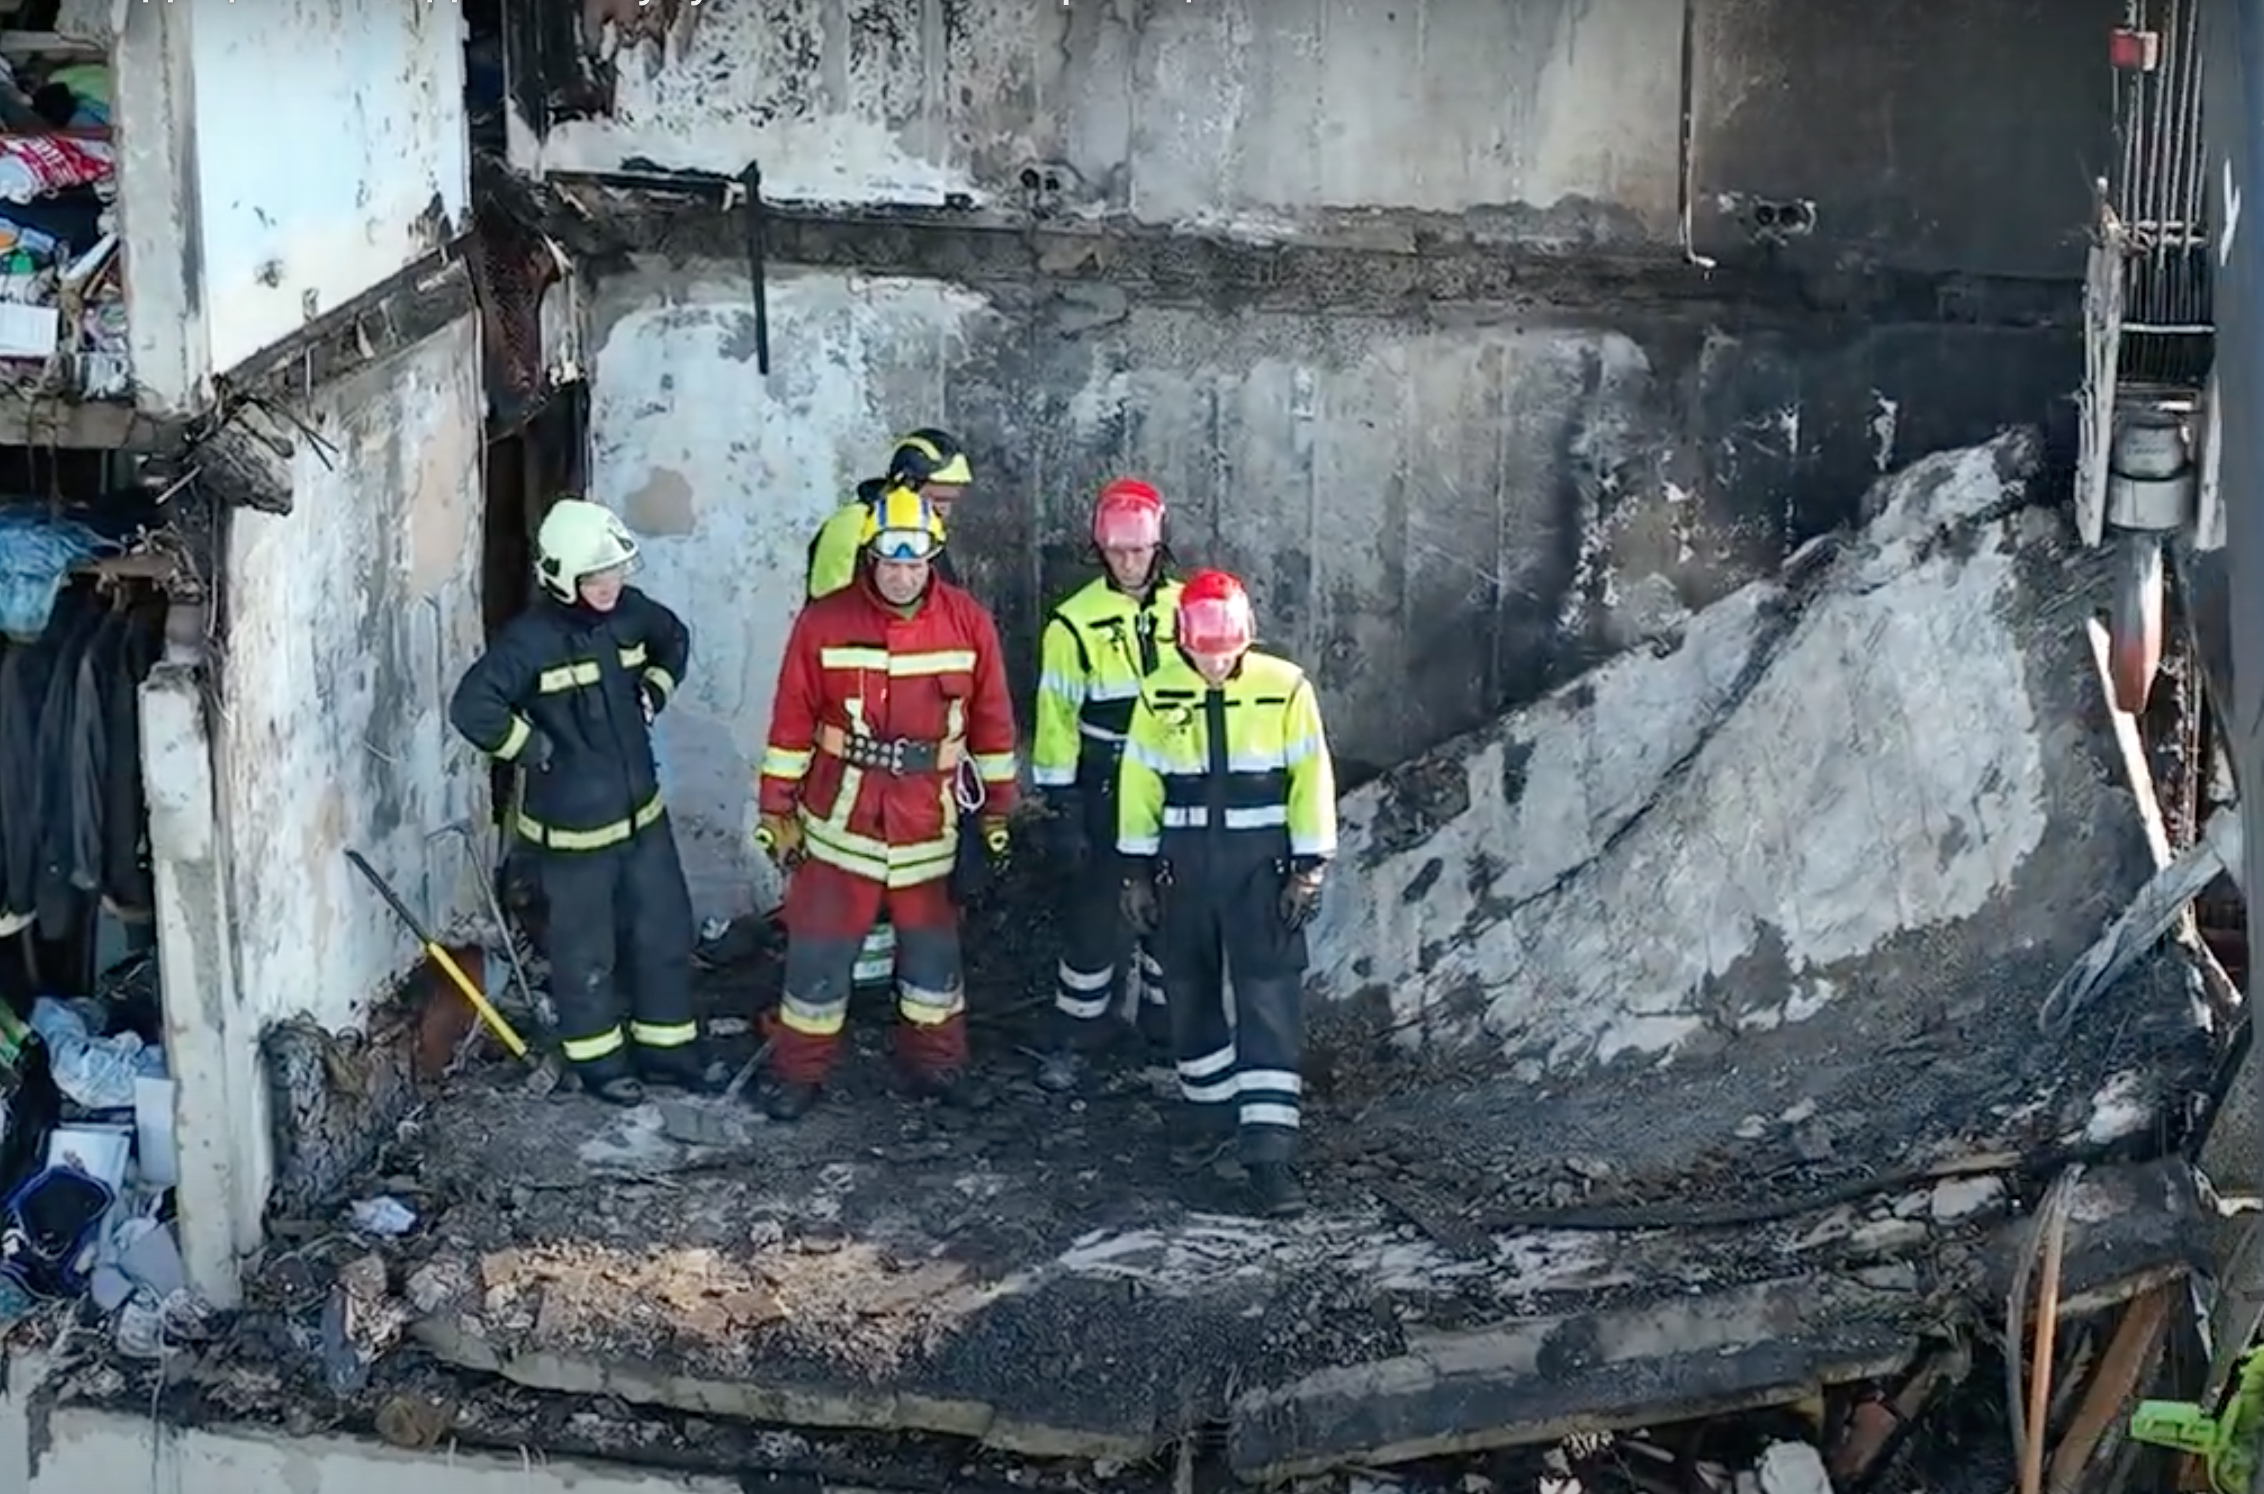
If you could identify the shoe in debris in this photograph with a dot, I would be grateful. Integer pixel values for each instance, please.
(1060, 1070)
(1276, 1190)
(958, 1089)
(790, 1102)
(623, 1091)
(691, 1078)
(1197, 1147)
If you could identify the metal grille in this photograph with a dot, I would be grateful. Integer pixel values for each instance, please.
(511, 268)
(2160, 191)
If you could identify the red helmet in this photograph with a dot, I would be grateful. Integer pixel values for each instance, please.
(1128, 515)
(1214, 615)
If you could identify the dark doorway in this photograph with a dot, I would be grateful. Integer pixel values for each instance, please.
(528, 467)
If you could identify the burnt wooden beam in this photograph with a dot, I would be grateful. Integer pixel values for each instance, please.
(1390, 265)
(240, 453)
(396, 314)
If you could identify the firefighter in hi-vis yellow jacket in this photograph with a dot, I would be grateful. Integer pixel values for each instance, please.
(1226, 815)
(1097, 647)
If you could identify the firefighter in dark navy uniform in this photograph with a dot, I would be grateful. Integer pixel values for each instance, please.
(1226, 815)
(569, 693)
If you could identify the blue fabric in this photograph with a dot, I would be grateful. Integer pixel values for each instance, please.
(36, 556)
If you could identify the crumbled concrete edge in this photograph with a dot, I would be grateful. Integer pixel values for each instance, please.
(1481, 879)
(2131, 1227)
(845, 1406)
(1524, 1380)
(1545, 1378)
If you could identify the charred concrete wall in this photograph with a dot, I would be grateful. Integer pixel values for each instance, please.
(1965, 146)
(346, 622)
(1393, 300)
(1437, 515)
(1898, 134)
(1241, 112)
(277, 163)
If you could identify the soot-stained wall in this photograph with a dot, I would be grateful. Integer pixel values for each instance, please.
(348, 621)
(1436, 516)
(1392, 300)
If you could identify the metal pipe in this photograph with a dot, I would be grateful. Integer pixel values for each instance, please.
(751, 181)
(463, 832)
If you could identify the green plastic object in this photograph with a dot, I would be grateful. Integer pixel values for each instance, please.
(15, 1037)
(2225, 1442)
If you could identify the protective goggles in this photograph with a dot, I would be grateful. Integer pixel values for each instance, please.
(903, 544)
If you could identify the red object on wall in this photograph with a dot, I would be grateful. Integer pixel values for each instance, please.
(2134, 51)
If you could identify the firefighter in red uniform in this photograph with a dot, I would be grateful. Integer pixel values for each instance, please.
(891, 716)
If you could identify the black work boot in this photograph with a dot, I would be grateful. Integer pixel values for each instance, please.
(1061, 1069)
(621, 1089)
(1274, 1187)
(1066, 1062)
(958, 1089)
(790, 1102)
(1197, 1141)
(678, 1068)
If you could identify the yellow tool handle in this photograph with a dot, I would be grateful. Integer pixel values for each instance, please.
(494, 1019)
(496, 1022)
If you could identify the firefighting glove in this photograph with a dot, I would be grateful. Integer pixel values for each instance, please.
(995, 840)
(1300, 896)
(1066, 841)
(779, 836)
(1141, 907)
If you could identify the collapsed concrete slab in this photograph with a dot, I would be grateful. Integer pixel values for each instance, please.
(1805, 872)
(1094, 1317)
(1706, 995)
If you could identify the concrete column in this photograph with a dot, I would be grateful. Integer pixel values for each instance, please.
(220, 1103)
(153, 109)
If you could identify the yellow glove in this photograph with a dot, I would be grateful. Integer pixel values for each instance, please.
(780, 838)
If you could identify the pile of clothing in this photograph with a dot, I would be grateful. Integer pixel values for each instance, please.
(62, 292)
(88, 1164)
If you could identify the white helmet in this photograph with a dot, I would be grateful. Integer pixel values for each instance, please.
(579, 539)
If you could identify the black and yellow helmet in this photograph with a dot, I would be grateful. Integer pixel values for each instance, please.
(929, 455)
(901, 525)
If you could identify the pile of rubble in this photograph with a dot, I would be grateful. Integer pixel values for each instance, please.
(1677, 1051)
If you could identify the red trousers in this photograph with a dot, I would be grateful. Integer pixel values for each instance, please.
(828, 911)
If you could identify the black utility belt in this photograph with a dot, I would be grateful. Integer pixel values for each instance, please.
(898, 756)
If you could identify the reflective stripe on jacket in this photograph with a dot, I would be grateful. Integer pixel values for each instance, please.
(578, 677)
(925, 678)
(1098, 646)
(1249, 759)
